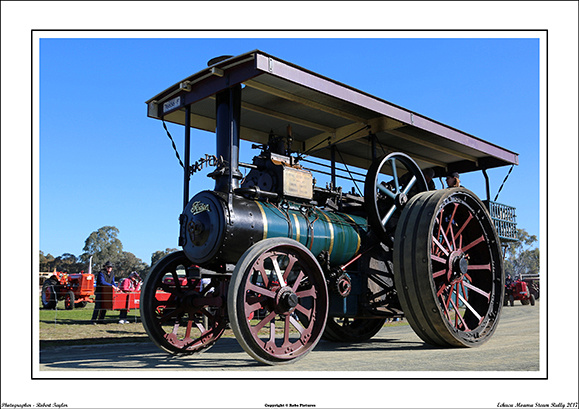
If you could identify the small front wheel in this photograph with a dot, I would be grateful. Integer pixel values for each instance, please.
(278, 301)
(181, 314)
(69, 300)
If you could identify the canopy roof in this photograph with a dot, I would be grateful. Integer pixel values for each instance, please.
(321, 112)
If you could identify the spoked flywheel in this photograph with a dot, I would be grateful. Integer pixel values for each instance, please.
(181, 314)
(278, 301)
(390, 182)
(448, 268)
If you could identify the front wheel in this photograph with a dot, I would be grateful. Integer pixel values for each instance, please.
(69, 300)
(448, 268)
(181, 314)
(278, 301)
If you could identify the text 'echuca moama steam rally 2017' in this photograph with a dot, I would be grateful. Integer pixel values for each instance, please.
(286, 262)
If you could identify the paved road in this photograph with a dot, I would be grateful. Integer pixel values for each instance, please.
(514, 347)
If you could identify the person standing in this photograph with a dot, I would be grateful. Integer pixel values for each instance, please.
(105, 278)
(129, 285)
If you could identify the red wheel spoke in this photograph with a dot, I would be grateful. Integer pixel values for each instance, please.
(466, 222)
(458, 316)
(452, 236)
(437, 258)
(479, 266)
(311, 292)
(447, 303)
(264, 321)
(305, 311)
(439, 273)
(440, 246)
(252, 307)
(291, 261)
(439, 230)
(478, 290)
(298, 281)
(260, 269)
(260, 290)
(441, 290)
(474, 243)
(446, 240)
(188, 330)
(451, 218)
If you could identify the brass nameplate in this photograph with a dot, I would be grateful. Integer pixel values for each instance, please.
(298, 183)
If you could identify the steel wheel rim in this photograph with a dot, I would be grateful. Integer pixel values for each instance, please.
(180, 314)
(281, 320)
(462, 266)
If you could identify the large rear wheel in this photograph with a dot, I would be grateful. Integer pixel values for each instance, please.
(448, 268)
(49, 298)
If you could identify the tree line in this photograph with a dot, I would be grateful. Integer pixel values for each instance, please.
(520, 256)
(102, 245)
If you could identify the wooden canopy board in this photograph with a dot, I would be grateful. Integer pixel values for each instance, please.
(321, 112)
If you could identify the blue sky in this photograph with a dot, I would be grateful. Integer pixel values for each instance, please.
(103, 162)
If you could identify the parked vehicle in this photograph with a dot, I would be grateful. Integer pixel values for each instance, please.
(518, 290)
(289, 261)
(75, 289)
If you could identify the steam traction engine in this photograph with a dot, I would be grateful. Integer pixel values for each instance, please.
(286, 262)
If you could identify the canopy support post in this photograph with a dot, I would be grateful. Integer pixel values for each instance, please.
(187, 173)
(487, 185)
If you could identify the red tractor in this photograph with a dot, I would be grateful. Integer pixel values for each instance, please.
(75, 289)
(518, 290)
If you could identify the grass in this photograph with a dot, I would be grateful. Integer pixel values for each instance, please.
(63, 327)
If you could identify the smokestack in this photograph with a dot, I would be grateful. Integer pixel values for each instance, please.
(228, 113)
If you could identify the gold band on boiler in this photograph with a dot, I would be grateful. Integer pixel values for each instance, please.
(264, 218)
(331, 233)
(298, 235)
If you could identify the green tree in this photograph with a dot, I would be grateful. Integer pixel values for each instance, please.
(520, 256)
(69, 262)
(103, 245)
(158, 255)
(46, 262)
(127, 263)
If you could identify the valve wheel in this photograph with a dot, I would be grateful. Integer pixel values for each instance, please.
(278, 301)
(386, 193)
(180, 314)
(448, 268)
